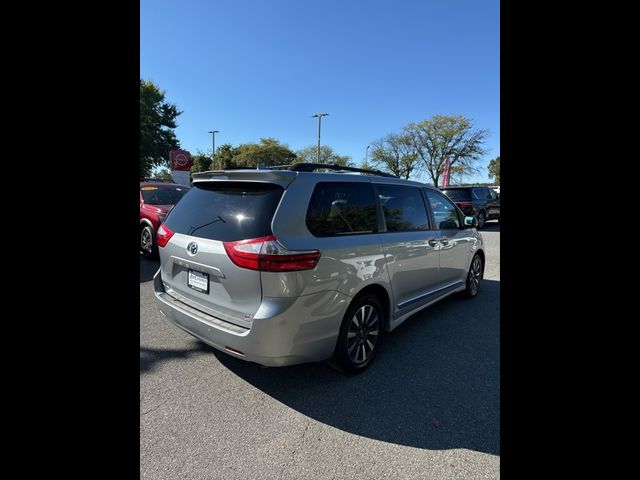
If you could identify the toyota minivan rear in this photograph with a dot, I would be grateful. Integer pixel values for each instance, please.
(215, 247)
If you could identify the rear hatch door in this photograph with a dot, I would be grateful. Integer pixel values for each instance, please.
(195, 266)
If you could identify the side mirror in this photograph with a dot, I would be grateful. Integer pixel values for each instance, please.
(470, 222)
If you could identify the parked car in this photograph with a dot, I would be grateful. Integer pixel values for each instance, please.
(156, 199)
(280, 267)
(480, 202)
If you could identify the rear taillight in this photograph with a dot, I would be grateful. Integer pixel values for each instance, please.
(164, 235)
(267, 255)
(465, 204)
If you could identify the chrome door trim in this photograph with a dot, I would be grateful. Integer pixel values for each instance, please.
(428, 294)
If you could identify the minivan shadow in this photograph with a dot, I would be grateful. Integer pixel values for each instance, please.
(435, 384)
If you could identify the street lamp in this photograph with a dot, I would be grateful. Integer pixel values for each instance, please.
(213, 152)
(366, 156)
(319, 117)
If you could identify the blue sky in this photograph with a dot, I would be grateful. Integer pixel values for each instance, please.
(253, 69)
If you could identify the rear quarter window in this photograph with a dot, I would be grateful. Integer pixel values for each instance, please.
(458, 194)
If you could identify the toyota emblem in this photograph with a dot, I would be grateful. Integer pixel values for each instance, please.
(192, 248)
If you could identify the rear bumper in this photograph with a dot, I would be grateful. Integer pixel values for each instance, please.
(284, 331)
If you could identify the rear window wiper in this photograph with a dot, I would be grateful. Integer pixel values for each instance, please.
(193, 229)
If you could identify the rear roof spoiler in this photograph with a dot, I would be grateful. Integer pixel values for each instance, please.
(280, 177)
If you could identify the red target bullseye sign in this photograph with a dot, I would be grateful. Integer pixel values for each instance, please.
(180, 160)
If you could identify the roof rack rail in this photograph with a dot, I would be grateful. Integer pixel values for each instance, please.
(312, 167)
(279, 167)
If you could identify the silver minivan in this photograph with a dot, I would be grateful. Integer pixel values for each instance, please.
(295, 265)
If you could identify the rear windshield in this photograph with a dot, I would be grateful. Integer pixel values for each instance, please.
(458, 194)
(226, 211)
(162, 195)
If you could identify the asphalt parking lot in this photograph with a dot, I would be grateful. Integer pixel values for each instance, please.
(428, 407)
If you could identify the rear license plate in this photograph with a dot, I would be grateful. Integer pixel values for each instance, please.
(198, 281)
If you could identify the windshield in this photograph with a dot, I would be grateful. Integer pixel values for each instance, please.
(153, 195)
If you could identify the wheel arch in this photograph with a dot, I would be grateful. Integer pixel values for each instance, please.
(144, 222)
(480, 253)
(381, 293)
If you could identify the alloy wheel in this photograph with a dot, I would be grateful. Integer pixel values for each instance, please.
(363, 333)
(146, 241)
(475, 274)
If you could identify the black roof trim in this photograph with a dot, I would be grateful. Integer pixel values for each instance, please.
(312, 167)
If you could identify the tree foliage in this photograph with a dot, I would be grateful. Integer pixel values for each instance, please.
(157, 124)
(163, 174)
(224, 157)
(268, 152)
(494, 169)
(395, 154)
(443, 136)
(327, 155)
(367, 165)
(200, 162)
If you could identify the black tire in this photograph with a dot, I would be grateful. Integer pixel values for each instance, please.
(482, 218)
(476, 272)
(148, 245)
(348, 356)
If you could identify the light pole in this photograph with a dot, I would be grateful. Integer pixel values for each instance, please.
(319, 117)
(366, 156)
(213, 152)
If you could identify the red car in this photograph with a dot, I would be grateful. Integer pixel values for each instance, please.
(156, 199)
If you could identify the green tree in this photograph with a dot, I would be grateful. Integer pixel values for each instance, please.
(494, 169)
(443, 136)
(163, 174)
(268, 152)
(200, 162)
(367, 165)
(224, 157)
(157, 124)
(327, 155)
(395, 154)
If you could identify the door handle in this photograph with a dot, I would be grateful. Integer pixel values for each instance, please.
(433, 243)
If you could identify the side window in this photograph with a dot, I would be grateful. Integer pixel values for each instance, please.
(403, 208)
(494, 195)
(342, 208)
(445, 213)
(478, 194)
